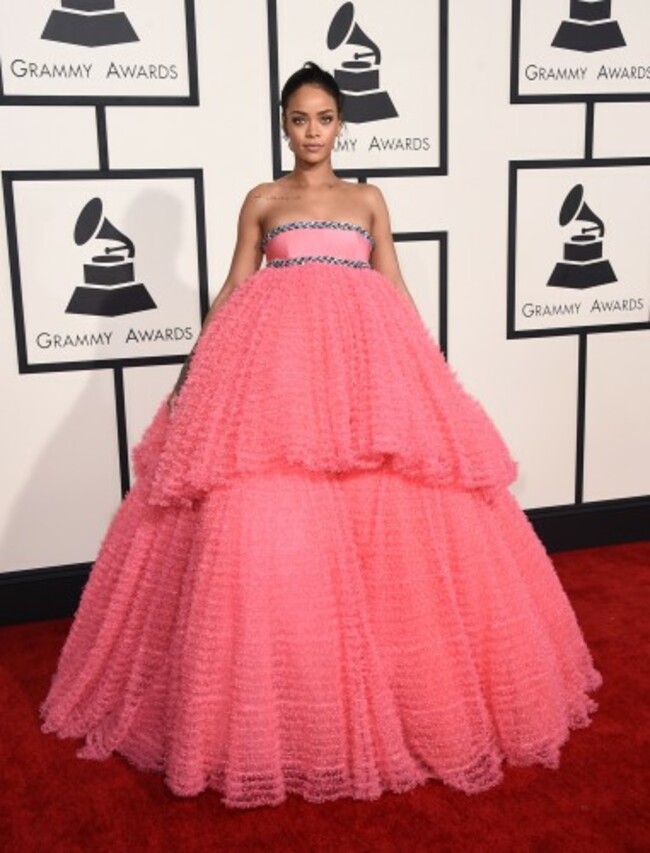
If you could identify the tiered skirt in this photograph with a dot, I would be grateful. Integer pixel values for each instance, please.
(320, 583)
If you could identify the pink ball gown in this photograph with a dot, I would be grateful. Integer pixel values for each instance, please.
(320, 583)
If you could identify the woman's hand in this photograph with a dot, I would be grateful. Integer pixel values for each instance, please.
(182, 376)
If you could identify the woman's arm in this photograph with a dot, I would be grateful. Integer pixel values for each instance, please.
(246, 259)
(383, 257)
(247, 255)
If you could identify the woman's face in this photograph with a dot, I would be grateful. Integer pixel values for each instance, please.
(311, 121)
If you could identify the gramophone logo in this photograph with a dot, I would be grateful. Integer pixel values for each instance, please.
(89, 23)
(109, 287)
(583, 264)
(590, 28)
(358, 77)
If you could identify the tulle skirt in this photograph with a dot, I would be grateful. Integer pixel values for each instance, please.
(320, 583)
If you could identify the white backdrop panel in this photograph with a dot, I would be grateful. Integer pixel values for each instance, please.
(553, 63)
(150, 59)
(402, 52)
(144, 390)
(47, 138)
(60, 469)
(617, 461)
(61, 474)
(622, 130)
(420, 264)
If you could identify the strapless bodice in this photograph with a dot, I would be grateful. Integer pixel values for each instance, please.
(317, 241)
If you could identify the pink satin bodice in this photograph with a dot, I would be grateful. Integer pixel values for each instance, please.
(317, 240)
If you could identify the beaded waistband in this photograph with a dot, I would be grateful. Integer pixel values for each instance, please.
(318, 259)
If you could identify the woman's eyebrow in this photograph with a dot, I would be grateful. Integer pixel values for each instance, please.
(302, 113)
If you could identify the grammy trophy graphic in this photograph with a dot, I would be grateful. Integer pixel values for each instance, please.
(589, 28)
(583, 264)
(358, 77)
(89, 23)
(109, 288)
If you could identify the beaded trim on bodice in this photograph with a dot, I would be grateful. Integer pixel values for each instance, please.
(315, 223)
(318, 259)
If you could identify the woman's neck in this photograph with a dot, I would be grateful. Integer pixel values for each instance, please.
(314, 178)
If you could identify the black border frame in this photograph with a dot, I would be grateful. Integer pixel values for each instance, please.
(572, 98)
(191, 99)
(515, 166)
(441, 169)
(442, 238)
(9, 178)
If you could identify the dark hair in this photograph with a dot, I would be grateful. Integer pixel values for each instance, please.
(312, 75)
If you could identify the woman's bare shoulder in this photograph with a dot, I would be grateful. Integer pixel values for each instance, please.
(372, 194)
(365, 201)
(363, 193)
(271, 191)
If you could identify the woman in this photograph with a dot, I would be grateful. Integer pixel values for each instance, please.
(320, 583)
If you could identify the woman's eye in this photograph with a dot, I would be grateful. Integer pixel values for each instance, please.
(297, 120)
(327, 119)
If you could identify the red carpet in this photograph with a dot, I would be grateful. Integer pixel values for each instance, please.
(598, 800)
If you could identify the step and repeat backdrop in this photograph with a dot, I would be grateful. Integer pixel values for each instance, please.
(511, 140)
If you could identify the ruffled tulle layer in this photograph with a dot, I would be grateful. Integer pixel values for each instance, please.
(319, 583)
(330, 635)
(326, 368)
